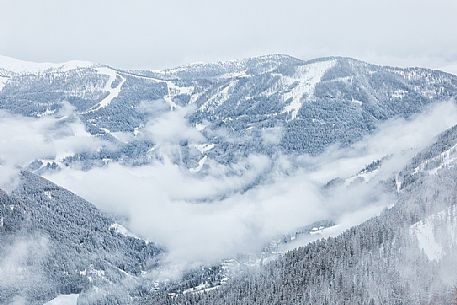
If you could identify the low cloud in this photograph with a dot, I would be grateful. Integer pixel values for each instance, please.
(24, 139)
(398, 138)
(159, 199)
(172, 128)
(233, 209)
(21, 262)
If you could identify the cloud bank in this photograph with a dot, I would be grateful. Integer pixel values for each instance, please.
(159, 200)
(23, 140)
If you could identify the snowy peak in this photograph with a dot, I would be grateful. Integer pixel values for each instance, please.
(252, 65)
(21, 66)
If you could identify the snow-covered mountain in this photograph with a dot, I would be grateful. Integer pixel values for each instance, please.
(205, 119)
(269, 104)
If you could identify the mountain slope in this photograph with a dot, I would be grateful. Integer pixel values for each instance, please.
(69, 245)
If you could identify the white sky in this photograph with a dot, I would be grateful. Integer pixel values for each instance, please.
(157, 34)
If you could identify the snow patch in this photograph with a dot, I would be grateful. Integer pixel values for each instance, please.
(48, 194)
(200, 126)
(219, 98)
(237, 74)
(447, 159)
(364, 176)
(73, 65)
(303, 83)
(427, 242)
(118, 228)
(397, 183)
(174, 91)
(199, 166)
(70, 299)
(46, 113)
(3, 81)
(202, 148)
(198, 289)
(113, 92)
(356, 102)
(436, 233)
(398, 94)
(105, 130)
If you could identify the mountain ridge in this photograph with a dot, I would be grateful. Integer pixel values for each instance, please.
(6, 61)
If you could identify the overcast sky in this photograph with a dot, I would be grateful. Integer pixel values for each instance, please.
(158, 34)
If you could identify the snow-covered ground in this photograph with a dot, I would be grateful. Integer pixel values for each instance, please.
(173, 91)
(202, 148)
(199, 165)
(446, 159)
(219, 98)
(427, 242)
(364, 176)
(70, 299)
(122, 230)
(3, 80)
(436, 233)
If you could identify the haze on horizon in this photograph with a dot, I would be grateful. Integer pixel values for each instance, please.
(155, 35)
